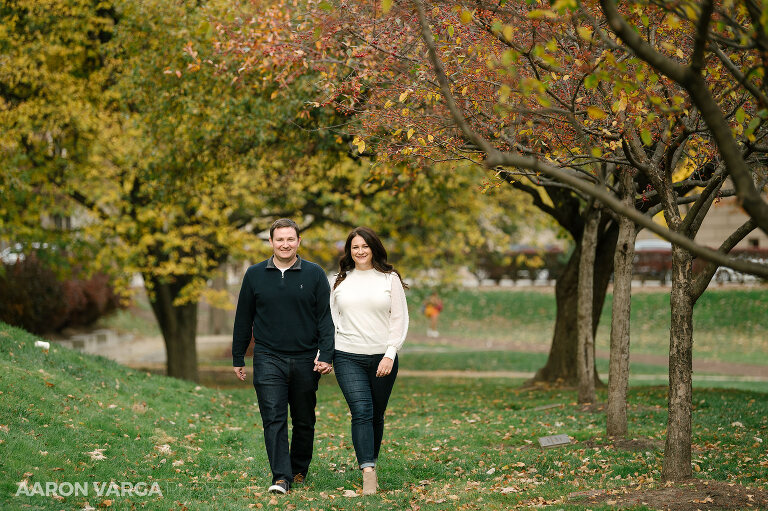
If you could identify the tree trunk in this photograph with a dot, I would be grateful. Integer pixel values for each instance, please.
(677, 451)
(178, 324)
(585, 351)
(561, 363)
(618, 375)
(218, 320)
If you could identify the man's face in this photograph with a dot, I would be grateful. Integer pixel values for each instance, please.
(285, 243)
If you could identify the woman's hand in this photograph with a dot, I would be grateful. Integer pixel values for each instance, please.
(385, 367)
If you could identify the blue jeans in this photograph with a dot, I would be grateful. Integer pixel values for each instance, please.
(367, 396)
(281, 382)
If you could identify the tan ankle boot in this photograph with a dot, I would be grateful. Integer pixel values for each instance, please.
(369, 482)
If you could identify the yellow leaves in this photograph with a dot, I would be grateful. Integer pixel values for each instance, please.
(386, 5)
(466, 17)
(672, 21)
(740, 115)
(685, 168)
(645, 136)
(360, 144)
(508, 32)
(218, 298)
(595, 113)
(403, 96)
(504, 92)
(541, 13)
(410, 133)
(619, 105)
(585, 33)
(561, 5)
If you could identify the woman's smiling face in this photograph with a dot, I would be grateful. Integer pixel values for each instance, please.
(361, 253)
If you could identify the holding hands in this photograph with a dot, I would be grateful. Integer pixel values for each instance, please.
(323, 367)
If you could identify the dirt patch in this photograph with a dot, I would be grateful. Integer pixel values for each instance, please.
(689, 496)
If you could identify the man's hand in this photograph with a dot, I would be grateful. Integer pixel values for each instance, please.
(240, 372)
(323, 367)
(385, 367)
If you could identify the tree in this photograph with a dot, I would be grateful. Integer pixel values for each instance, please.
(492, 121)
(543, 102)
(618, 373)
(51, 80)
(186, 170)
(661, 164)
(735, 35)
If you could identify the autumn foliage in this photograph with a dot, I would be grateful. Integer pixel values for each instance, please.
(33, 296)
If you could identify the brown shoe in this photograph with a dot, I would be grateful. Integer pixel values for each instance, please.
(370, 484)
(298, 479)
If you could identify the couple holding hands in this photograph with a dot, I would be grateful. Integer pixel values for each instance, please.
(303, 328)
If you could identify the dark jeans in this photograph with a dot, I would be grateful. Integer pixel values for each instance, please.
(281, 382)
(367, 397)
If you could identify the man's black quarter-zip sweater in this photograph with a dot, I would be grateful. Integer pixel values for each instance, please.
(288, 312)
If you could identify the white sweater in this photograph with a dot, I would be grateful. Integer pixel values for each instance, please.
(370, 313)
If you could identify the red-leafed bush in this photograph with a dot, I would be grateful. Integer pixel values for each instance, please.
(34, 298)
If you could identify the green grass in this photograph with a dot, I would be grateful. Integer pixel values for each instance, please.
(450, 443)
(730, 325)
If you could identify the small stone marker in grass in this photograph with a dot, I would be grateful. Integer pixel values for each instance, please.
(548, 442)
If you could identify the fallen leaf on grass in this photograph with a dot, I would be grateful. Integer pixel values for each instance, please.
(349, 493)
(97, 454)
(164, 449)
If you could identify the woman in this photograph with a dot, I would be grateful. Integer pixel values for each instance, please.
(371, 317)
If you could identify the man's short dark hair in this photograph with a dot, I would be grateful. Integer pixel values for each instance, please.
(283, 222)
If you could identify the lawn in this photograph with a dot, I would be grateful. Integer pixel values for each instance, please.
(730, 324)
(67, 417)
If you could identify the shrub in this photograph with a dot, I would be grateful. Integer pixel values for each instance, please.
(34, 298)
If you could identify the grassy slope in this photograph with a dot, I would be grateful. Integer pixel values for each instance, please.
(449, 443)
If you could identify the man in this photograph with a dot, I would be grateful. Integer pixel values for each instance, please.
(284, 306)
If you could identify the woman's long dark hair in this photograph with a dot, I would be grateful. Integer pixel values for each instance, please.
(378, 256)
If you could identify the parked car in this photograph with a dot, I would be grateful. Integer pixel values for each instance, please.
(14, 253)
